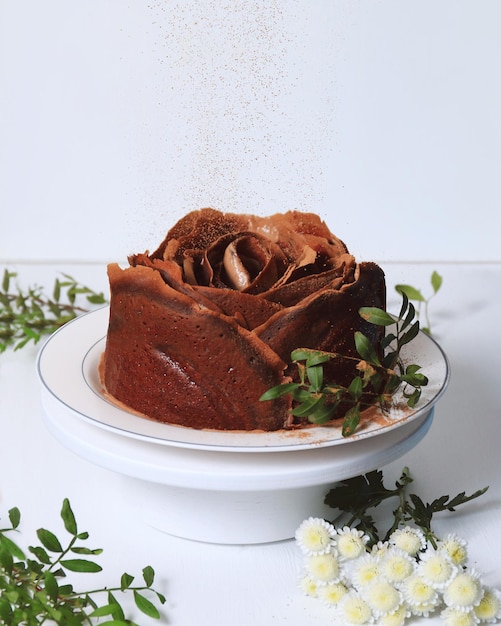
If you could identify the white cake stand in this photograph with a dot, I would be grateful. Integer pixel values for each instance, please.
(233, 488)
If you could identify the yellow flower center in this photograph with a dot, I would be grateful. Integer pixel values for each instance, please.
(419, 591)
(383, 597)
(463, 590)
(436, 569)
(316, 539)
(323, 567)
(356, 611)
(350, 546)
(396, 568)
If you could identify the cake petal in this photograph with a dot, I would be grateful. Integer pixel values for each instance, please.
(327, 320)
(191, 365)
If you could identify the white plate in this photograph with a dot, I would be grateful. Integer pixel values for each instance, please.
(68, 369)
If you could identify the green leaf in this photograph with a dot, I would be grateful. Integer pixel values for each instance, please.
(52, 613)
(106, 609)
(405, 304)
(351, 421)
(148, 575)
(376, 316)
(145, 606)
(113, 609)
(300, 394)
(436, 281)
(6, 280)
(410, 334)
(355, 388)
(307, 407)
(6, 562)
(41, 554)
(407, 320)
(11, 547)
(51, 586)
(66, 590)
(35, 567)
(14, 517)
(5, 611)
(416, 379)
(126, 581)
(49, 540)
(317, 358)
(278, 391)
(322, 413)
(411, 292)
(56, 293)
(387, 340)
(413, 398)
(81, 565)
(391, 359)
(68, 517)
(96, 299)
(300, 354)
(315, 377)
(84, 550)
(160, 597)
(462, 498)
(118, 612)
(365, 349)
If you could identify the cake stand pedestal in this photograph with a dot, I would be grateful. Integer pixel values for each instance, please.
(228, 497)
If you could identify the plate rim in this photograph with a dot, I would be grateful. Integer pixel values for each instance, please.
(49, 350)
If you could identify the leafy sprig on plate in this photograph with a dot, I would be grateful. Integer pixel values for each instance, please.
(355, 497)
(28, 314)
(33, 589)
(377, 378)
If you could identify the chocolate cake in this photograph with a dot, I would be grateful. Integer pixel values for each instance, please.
(203, 326)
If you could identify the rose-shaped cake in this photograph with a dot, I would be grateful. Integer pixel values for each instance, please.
(202, 327)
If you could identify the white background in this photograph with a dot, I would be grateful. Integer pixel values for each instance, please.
(118, 117)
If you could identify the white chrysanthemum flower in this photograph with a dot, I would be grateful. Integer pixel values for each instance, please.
(355, 610)
(351, 543)
(397, 565)
(332, 593)
(417, 592)
(323, 567)
(379, 549)
(436, 568)
(456, 617)
(410, 540)
(395, 618)
(425, 609)
(489, 609)
(456, 548)
(364, 570)
(315, 536)
(309, 586)
(464, 591)
(382, 597)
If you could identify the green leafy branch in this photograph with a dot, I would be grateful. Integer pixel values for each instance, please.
(423, 303)
(27, 315)
(356, 496)
(375, 383)
(31, 592)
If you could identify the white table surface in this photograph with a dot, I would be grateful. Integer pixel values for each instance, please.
(257, 585)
